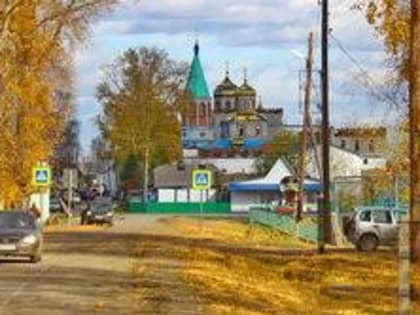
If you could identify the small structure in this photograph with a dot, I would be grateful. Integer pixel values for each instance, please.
(268, 190)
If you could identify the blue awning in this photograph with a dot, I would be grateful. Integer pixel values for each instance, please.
(255, 186)
(222, 144)
(253, 143)
(204, 145)
(242, 186)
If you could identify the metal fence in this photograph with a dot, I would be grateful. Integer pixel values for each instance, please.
(307, 229)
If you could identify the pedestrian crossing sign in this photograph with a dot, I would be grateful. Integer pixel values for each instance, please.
(41, 176)
(201, 179)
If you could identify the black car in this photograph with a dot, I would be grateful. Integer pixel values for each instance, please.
(98, 213)
(20, 235)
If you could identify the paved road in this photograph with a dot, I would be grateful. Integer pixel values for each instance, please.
(92, 272)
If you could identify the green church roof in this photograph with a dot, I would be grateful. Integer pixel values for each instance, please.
(197, 84)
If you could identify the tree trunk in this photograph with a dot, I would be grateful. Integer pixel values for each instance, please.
(415, 130)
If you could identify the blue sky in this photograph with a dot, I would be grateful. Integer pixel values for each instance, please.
(265, 36)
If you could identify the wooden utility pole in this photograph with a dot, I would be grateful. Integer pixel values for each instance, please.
(409, 243)
(325, 210)
(306, 127)
(415, 130)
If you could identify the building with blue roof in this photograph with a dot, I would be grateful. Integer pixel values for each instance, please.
(268, 190)
(231, 120)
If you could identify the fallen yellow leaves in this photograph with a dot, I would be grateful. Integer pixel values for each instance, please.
(257, 281)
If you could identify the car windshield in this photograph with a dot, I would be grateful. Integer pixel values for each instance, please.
(16, 220)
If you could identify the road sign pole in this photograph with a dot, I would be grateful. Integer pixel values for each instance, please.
(70, 195)
(201, 210)
(41, 204)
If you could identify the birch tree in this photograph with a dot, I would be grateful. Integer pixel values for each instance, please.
(36, 38)
(142, 94)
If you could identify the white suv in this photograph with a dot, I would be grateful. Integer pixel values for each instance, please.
(370, 227)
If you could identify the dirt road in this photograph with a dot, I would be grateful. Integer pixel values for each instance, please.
(155, 265)
(91, 272)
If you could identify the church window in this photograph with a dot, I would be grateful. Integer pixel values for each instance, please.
(202, 109)
(343, 144)
(224, 129)
(228, 105)
(218, 105)
(357, 146)
(241, 131)
(371, 146)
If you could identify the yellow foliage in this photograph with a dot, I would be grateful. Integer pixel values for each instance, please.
(228, 276)
(391, 19)
(33, 59)
(141, 94)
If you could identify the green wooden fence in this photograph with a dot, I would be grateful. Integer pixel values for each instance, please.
(307, 229)
(179, 207)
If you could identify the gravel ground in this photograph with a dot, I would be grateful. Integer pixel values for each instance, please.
(91, 272)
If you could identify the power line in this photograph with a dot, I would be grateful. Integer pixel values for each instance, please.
(374, 89)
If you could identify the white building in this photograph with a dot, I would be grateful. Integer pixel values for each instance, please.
(264, 191)
(343, 163)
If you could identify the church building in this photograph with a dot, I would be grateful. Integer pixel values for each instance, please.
(231, 120)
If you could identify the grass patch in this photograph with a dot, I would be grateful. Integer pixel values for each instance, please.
(265, 277)
(235, 232)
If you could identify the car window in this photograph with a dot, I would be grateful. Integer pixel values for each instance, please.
(366, 216)
(382, 217)
(16, 220)
(399, 215)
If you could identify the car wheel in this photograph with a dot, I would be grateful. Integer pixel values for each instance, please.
(368, 243)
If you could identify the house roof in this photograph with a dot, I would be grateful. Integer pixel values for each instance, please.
(197, 84)
(170, 176)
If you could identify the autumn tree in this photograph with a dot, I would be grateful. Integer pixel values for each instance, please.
(36, 37)
(397, 23)
(142, 94)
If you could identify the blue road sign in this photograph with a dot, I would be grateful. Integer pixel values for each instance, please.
(202, 179)
(41, 176)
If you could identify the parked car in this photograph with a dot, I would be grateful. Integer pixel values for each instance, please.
(20, 235)
(370, 227)
(55, 205)
(98, 213)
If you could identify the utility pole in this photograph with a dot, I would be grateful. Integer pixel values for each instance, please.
(415, 130)
(325, 211)
(306, 127)
(409, 242)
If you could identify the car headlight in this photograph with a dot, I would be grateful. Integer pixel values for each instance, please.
(29, 240)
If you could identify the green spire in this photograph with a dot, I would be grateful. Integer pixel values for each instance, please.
(197, 84)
